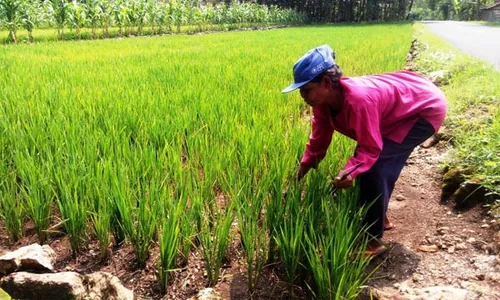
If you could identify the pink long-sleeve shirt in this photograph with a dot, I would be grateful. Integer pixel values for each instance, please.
(375, 107)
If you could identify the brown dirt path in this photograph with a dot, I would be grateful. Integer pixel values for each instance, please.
(467, 242)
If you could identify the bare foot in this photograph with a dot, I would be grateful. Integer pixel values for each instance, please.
(387, 224)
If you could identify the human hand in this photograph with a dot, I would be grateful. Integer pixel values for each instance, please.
(343, 180)
(303, 169)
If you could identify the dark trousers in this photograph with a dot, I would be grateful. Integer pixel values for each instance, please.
(378, 182)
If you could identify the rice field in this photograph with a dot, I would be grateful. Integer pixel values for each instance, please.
(185, 141)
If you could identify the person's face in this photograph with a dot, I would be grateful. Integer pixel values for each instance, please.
(316, 93)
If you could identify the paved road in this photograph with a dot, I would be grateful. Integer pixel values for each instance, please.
(475, 39)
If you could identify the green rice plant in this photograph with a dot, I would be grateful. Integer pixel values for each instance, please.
(36, 191)
(102, 212)
(188, 233)
(336, 249)
(253, 233)
(72, 204)
(275, 210)
(249, 185)
(101, 219)
(290, 234)
(170, 239)
(138, 125)
(139, 217)
(215, 241)
(11, 207)
(214, 224)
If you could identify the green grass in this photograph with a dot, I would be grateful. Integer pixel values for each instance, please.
(473, 93)
(494, 24)
(116, 133)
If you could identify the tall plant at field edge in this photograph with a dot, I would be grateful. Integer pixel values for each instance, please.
(9, 10)
(60, 11)
(94, 14)
(30, 16)
(77, 17)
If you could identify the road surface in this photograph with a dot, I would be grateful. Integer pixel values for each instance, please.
(477, 40)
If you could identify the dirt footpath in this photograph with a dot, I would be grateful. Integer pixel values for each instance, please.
(436, 252)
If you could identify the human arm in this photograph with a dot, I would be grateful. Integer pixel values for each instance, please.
(319, 140)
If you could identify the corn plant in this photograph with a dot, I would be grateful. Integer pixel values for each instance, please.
(178, 14)
(77, 17)
(9, 11)
(120, 16)
(142, 16)
(60, 13)
(106, 17)
(94, 14)
(30, 16)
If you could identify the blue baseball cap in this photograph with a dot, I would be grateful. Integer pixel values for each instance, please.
(310, 65)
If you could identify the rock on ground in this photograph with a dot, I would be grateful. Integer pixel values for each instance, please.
(207, 294)
(24, 285)
(102, 285)
(33, 257)
(65, 285)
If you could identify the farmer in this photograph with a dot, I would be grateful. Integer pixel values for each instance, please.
(387, 114)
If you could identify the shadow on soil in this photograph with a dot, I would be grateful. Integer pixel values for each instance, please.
(396, 265)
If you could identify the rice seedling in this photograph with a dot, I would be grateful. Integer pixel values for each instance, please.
(170, 239)
(101, 212)
(214, 236)
(11, 207)
(36, 191)
(72, 204)
(289, 237)
(335, 248)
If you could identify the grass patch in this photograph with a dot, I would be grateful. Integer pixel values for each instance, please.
(494, 24)
(473, 93)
